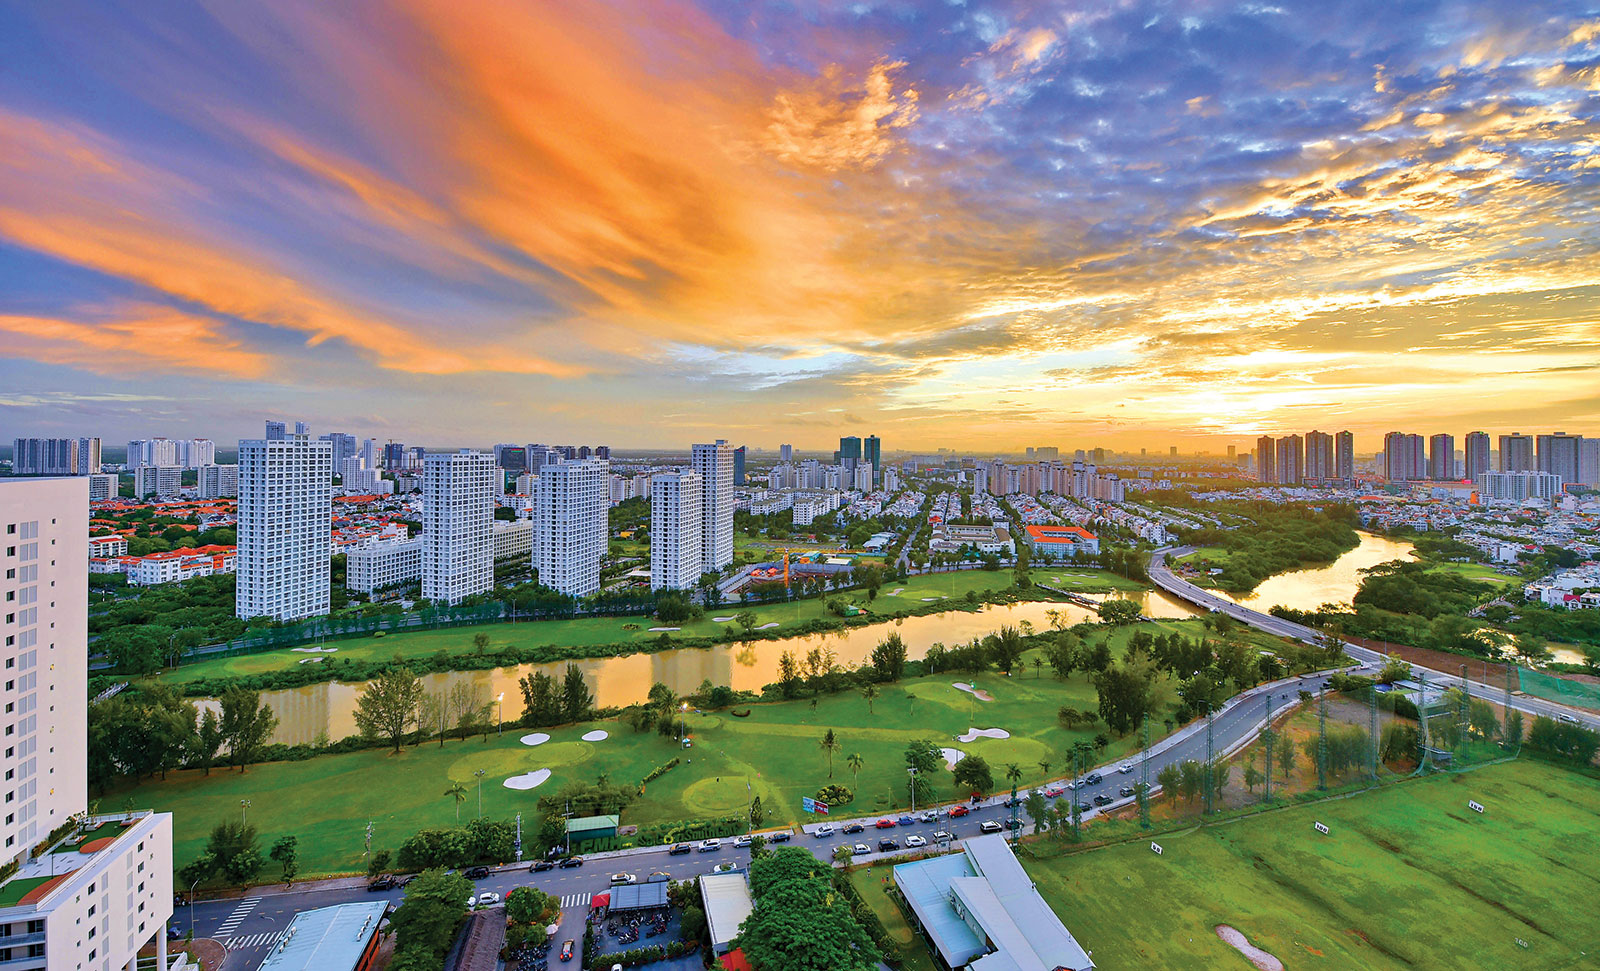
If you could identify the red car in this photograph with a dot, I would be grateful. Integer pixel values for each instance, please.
(885, 823)
(956, 811)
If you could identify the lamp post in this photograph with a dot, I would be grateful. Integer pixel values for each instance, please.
(480, 775)
(912, 772)
(500, 713)
(244, 804)
(191, 905)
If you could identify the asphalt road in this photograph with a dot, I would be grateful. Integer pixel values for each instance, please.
(1205, 599)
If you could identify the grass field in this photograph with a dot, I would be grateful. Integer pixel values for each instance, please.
(591, 631)
(1409, 877)
(326, 801)
(1475, 571)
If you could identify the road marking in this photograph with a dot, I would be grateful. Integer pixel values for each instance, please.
(239, 914)
(267, 939)
(576, 900)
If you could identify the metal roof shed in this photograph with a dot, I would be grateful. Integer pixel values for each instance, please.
(638, 896)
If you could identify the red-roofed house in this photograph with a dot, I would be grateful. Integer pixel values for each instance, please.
(1061, 540)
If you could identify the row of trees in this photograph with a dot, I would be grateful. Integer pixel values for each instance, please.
(149, 729)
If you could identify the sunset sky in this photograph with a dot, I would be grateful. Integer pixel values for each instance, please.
(977, 225)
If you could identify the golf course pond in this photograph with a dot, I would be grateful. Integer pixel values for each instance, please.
(327, 709)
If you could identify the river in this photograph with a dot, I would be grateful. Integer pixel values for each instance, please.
(328, 709)
(1335, 583)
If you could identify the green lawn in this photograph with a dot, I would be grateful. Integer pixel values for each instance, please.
(1410, 877)
(870, 883)
(1475, 571)
(592, 631)
(326, 801)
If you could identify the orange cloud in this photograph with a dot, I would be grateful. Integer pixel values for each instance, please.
(133, 337)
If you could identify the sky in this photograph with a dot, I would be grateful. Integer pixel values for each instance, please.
(962, 224)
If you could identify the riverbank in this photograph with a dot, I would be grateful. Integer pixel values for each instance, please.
(555, 641)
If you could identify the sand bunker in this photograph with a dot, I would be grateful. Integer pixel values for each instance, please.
(766, 626)
(1255, 955)
(596, 736)
(312, 660)
(973, 734)
(720, 620)
(897, 591)
(528, 780)
(536, 738)
(977, 693)
(952, 756)
(654, 629)
(315, 650)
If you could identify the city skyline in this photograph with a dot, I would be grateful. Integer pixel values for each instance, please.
(956, 225)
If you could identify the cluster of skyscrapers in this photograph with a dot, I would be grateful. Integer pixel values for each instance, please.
(55, 456)
(1522, 466)
(691, 518)
(1318, 457)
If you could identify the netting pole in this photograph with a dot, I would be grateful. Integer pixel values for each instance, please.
(1208, 778)
(1144, 778)
(1322, 738)
(1505, 712)
(1463, 715)
(1271, 735)
(1077, 810)
(1422, 719)
(1372, 726)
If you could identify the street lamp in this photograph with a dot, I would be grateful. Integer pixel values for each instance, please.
(500, 712)
(912, 772)
(480, 774)
(191, 904)
(244, 804)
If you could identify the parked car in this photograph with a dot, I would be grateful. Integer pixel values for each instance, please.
(678, 849)
(826, 829)
(619, 879)
(885, 823)
(887, 843)
(1102, 800)
(1126, 768)
(915, 841)
(853, 828)
(1082, 807)
(740, 842)
(539, 866)
(658, 876)
(1125, 791)
(566, 951)
(1013, 824)
(569, 862)
(1015, 800)
(929, 816)
(382, 884)
(476, 872)
(943, 837)
(725, 868)
(488, 898)
(1093, 779)
(709, 846)
(781, 836)
(906, 821)
(957, 812)
(1054, 789)
(861, 849)
(990, 826)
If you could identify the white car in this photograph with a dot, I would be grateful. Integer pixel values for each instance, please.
(929, 816)
(826, 829)
(861, 849)
(943, 837)
(741, 841)
(916, 841)
(619, 879)
(1125, 768)
(710, 846)
(725, 868)
(486, 899)
(990, 826)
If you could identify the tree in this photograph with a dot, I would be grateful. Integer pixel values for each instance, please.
(208, 740)
(1252, 777)
(758, 814)
(1038, 810)
(1533, 649)
(788, 675)
(869, 692)
(1169, 779)
(576, 699)
(529, 905)
(1394, 669)
(854, 762)
(246, 725)
(1013, 776)
(889, 658)
(1511, 735)
(541, 702)
(1286, 759)
(1044, 767)
(1118, 612)
(234, 852)
(285, 852)
(1063, 655)
(842, 854)
(388, 706)
(829, 745)
(746, 619)
(425, 922)
(459, 791)
(1124, 692)
(927, 762)
(480, 642)
(972, 775)
(800, 922)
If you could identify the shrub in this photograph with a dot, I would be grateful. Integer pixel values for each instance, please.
(835, 794)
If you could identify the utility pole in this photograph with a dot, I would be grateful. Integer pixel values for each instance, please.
(519, 837)
(367, 853)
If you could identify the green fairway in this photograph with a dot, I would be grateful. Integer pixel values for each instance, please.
(588, 632)
(326, 801)
(1475, 571)
(1409, 877)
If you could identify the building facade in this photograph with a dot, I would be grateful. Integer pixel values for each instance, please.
(161, 481)
(457, 510)
(219, 481)
(1441, 457)
(570, 527)
(1558, 455)
(385, 565)
(714, 464)
(676, 530)
(1476, 456)
(1516, 453)
(1404, 457)
(285, 523)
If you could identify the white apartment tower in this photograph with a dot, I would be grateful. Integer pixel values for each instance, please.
(66, 909)
(457, 516)
(714, 465)
(569, 522)
(675, 530)
(285, 527)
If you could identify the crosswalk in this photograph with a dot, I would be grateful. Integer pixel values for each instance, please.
(234, 919)
(267, 939)
(576, 900)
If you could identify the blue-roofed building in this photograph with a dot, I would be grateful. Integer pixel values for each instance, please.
(981, 911)
(343, 937)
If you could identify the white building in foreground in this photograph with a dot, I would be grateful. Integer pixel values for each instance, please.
(90, 899)
(675, 530)
(570, 527)
(458, 490)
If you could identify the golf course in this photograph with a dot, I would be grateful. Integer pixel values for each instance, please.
(1408, 876)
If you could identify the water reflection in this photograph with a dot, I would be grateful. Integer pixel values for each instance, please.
(328, 710)
(1335, 583)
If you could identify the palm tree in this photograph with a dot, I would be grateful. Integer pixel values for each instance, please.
(870, 692)
(1044, 766)
(1013, 776)
(830, 744)
(855, 762)
(460, 792)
